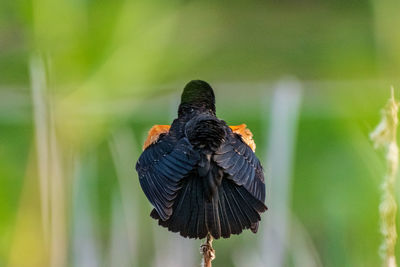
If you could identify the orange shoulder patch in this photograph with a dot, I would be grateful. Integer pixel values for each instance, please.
(246, 134)
(154, 134)
(242, 130)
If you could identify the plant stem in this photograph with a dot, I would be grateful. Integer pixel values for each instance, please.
(208, 251)
(385, 136)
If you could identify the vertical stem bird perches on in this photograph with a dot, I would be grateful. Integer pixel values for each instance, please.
(384, 136)
(208, 251)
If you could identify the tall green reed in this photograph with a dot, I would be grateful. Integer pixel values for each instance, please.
(384, 136)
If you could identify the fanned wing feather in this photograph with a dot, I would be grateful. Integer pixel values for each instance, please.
(239, 161)
(161, 167)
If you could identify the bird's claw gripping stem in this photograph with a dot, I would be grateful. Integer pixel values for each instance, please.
(208, 251)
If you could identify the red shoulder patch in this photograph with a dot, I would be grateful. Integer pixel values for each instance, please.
(242, 130)
(154, 134)
(246, 134)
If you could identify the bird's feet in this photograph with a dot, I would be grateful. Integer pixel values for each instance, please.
(207, 251)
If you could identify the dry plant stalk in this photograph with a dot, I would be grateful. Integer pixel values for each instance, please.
(384, 136)
(207, 251)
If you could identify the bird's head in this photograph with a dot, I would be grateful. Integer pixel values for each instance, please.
(197, 94)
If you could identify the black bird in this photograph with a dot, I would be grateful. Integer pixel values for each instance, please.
(201, 175)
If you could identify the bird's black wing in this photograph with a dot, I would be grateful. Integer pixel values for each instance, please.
(241, 164)
(161, 168)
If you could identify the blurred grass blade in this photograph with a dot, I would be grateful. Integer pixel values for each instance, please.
(124, 153)
(49, 166)
(85, 251)
(281, 148)
(58, 209)
(121, 252)
(40, 115)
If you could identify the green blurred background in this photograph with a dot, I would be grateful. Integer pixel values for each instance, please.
(81, 82)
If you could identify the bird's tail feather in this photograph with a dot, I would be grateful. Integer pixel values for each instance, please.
(230, 211)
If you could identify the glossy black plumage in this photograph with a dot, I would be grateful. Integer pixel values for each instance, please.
(200, 176)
